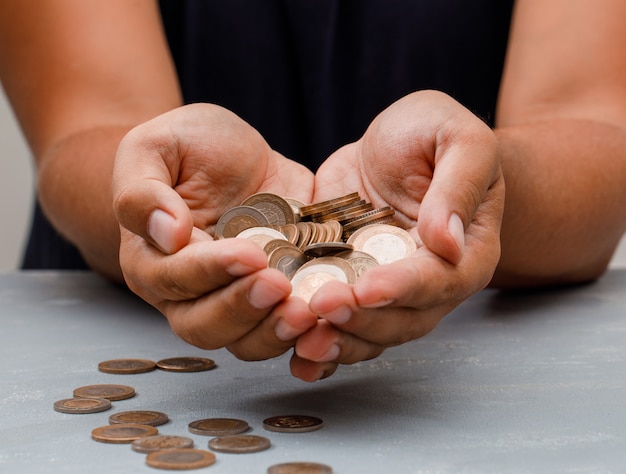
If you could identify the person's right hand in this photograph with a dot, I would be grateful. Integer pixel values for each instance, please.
(174, 177)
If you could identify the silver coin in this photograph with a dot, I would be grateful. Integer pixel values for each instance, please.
(238, 219)
(276, 209)
(315, 273)
(386, 243)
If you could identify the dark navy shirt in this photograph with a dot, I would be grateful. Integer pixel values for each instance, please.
(311, 75)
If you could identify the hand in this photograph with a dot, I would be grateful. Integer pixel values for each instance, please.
(437, 165)
(174, 177)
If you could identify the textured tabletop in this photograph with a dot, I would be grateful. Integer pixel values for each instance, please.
(528, 382)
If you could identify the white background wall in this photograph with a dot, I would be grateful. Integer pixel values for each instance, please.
(16, 192)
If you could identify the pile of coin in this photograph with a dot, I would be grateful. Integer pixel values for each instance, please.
(174, 452)
(337, 239)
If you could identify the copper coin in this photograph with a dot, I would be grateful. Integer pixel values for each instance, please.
(123, 433)
(180, 459)
(82, 405)
(300, 468)
(291, 232)
(323, 206)
(292, 423)
(108, 391)
(386, 243)
(126, 366)
(239, 444)
(218, 426)
(304, 234)
(368, 217)
(315, 273)
(139, 417)
(150, 444)
(237, 219)
(186, 364)
(276, 209)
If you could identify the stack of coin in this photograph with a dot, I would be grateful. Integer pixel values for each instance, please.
(337, 239)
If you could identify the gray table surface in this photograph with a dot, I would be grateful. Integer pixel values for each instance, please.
(531, 382)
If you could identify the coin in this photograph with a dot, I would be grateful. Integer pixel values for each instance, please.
(290, 231)
(261, 235)
(322, 206)
(367, 218)
(82, 405)
(180, 459)
(108, 391)
(139, 417)
(218, 426)
(295, 206)
(237, 219)
(276, 209)
(150, 444)
(315, 273)
(239, 444)
(122, 433)
(304, 232)
(386, 243)
(360, 261)
(186, 364)
(300, 468)
(292, 423)
(287, 259)
(325, 249)
(126, 366)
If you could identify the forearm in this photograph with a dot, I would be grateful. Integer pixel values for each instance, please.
(74, 186)
(565, 201)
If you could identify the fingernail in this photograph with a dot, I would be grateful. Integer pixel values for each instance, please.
(377, 304)
(263, 294)
(285, 331)
(457, 231)
(340, 315)
(161, 227)
(331, 355)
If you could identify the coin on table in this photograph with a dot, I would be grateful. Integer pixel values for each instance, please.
(360, 261)
(122, 433)
(276, 209)
(386, 243)
(292, 423)
(186, 364)
(82, 405)
(218, 426)
(238, 219)
(139, 417)
(109, 391)
(239, 444)
(315, 273)
(126, 366)
(300, 468)
(180, 459)
(150, 444)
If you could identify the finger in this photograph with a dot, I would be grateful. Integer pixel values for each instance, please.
(276, 333)
(225, 315)
(199, 268)
(310, 371)
(453, 197)
(326, 344)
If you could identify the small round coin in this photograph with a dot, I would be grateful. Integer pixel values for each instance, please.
(239, 444)
(386, 243)
(218, 426)
(186, 364)
(126, 366)
(180, 459)
(237, 219)
(314, 274)
(123, 433)
(300, 468)
(150, 444)
(292, 423)
(109, 391)
(82, 405)
(139, 417)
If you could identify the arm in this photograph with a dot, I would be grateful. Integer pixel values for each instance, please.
(79, 75)
(561, 126)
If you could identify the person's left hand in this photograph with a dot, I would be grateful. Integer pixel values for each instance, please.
(436, 164)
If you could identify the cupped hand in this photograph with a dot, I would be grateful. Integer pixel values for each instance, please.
(437, 165)
(174, 177)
